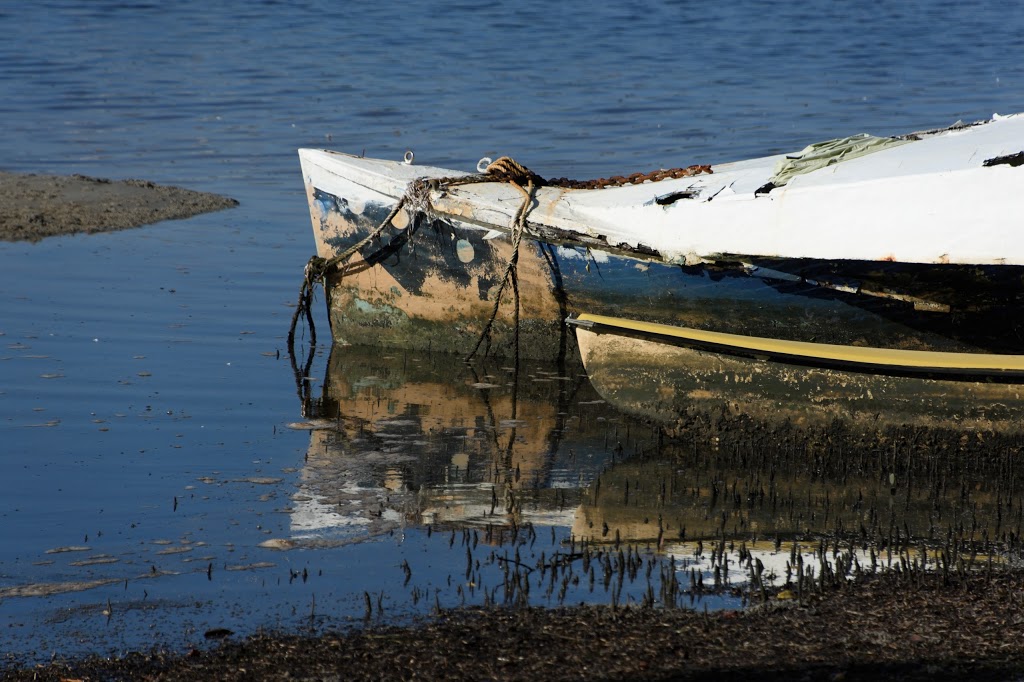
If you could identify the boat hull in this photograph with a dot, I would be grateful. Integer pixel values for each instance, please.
(437, 276)
(431, 284)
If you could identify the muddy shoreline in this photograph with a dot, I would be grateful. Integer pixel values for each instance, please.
(909, 626)
(33, 207)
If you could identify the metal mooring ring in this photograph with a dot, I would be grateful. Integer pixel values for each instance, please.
(409, 156)
(482, 164)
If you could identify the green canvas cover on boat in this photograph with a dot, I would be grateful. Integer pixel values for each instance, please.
(822, 154)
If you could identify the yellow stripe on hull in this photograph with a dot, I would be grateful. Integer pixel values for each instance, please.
(865, 358)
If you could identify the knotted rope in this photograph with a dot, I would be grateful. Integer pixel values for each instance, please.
(417, 196)
(318, 268)
(515, 173)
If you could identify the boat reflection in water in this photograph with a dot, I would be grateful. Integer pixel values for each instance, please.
(416, 438)
(736, 499)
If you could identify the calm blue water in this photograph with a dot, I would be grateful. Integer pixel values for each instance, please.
(141, 392)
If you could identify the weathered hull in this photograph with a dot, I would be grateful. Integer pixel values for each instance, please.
(711, 251)
(431, 284)
(673, 384)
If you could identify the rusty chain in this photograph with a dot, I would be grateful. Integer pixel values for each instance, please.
(506, 169)
(634, 179)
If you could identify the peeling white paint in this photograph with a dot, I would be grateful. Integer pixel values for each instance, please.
(930, 201)
(571, 253)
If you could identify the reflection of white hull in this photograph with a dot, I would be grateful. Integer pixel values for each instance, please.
(478, 505)
(336, 502)
(413, 441)
(314, 516)
(774, 561)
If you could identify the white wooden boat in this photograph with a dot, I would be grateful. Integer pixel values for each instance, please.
(912, 241)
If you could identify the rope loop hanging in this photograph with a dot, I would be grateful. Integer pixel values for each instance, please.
(416, 199)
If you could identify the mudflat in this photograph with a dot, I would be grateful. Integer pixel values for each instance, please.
(33, 207)
(904, 625)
